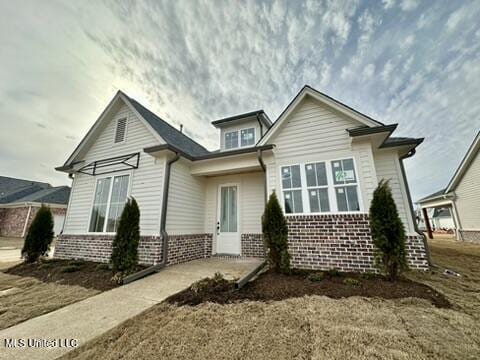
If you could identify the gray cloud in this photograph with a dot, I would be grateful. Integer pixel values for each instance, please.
(400, 61)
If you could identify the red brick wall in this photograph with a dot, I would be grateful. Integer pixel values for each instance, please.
(12, 220)
(470, 235)
(99, 247)
(340, 241)
(252, 245)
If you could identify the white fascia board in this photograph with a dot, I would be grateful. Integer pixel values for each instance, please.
(466, 161)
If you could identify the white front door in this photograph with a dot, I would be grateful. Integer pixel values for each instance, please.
(228, 236)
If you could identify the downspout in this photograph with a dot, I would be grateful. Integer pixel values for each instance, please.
(412, 212)
(264, 168)
(261, 127)
(163, 232)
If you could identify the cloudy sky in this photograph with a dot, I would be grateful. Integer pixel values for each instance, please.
(400, 61)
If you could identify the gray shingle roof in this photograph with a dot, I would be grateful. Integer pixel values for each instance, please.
(436, 193)
(171, 135)
(12, 189)
(53, 195)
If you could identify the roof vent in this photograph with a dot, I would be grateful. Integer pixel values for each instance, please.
(181, 128)
(120, 130)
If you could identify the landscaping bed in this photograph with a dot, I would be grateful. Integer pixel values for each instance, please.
(273, 286)
(87, 274)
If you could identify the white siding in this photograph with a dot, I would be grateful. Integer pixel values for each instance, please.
(146, 182)
(468, 196)
(313, 132)
(186, 204)
(251, 201)
(387, 166)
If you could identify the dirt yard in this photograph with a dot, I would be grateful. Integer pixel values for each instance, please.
(314, 326)
(22, 298)
(30, 290)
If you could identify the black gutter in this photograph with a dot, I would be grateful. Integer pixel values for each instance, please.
(237, 117)
(264, 168)
(409, 141)
(206, 156)
(410, 203)
(366, 130)
(261, 127)
(163, 232)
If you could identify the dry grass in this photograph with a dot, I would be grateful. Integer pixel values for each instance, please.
(311, 327)
(30, 298)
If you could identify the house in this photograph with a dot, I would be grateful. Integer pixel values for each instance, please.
(440, 219)
(20, 200)
(461, 196)
(321, 157)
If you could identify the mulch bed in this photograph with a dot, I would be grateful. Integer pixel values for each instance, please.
(272, 286)
(87, 274)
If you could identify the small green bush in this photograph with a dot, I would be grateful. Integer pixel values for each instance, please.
(124, 258)
(275, 235)
(388, 233)
(333, 273)
(70, 269)
(215, 282)
(316, 276)
(103, 267)
(39, 236)
(351, 281)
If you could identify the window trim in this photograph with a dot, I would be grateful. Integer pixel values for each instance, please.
(332, 199)
(112, 176)
(126, 130)
(239, 138)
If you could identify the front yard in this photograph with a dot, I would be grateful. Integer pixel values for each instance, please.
(30, 290)
(314, 326)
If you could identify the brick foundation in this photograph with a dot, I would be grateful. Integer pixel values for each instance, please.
(12, 220)
(252, 245)
(470, 235)
(341, 241)
(98, 248)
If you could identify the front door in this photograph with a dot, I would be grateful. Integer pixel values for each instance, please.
(228, 236)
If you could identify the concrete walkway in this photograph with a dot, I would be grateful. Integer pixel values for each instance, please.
(92, 317)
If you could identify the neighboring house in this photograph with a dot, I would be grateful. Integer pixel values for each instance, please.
(462, 195)
(20, 200)
(321, 157)
(440, 219)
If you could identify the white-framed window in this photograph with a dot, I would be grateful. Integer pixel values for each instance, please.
(120, 130)
(345, 183)
(292, 189)
(108, 203)
(319, 187)
(239, 138)
(231, 140)
(247, 137)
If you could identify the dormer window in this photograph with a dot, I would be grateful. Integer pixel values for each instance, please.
(246, 138)
(231, 140)
(120, 130)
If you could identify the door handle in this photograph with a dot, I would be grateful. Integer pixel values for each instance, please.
(218, 227)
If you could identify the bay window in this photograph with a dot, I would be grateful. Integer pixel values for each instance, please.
(319, 187)
(108, 203)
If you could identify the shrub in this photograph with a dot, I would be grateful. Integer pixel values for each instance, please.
(333, 273)
(124, 256)
(316, 276)
(275, 235)
(70, 269)
(102, 267)
(39, 236)
(388, 233)
(351, 281)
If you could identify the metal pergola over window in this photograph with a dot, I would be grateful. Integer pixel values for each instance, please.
(111, 165)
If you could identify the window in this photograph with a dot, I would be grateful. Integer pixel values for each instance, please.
(247, 137)
(343, 173)
(108, 203)
(120, 130)
(231, 140)
(320, 187)
(292, 189)
(317, 187)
